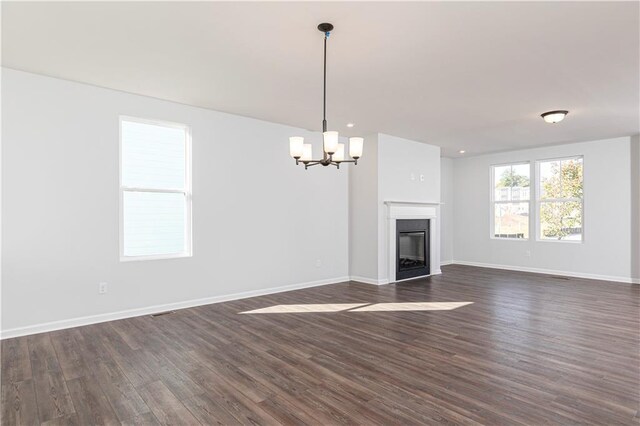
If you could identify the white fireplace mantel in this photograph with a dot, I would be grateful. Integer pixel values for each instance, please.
(413, 210)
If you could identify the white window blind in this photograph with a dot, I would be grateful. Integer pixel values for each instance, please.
(155, 190)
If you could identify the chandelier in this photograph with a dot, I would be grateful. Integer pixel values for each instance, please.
(332, 149)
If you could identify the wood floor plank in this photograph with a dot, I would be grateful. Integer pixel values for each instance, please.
(19, 404)
(528, 350)
(287, 410)
(230, 398)
(42, 354)
(16, 363)
(70, 357)
(70, 420)
(166, 408)
(209, 411)
(53, 396)
(147, 419)
(91, 405)
(121, 394)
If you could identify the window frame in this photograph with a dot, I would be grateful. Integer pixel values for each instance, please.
(493, 202)
(539, 200)
(187, 191)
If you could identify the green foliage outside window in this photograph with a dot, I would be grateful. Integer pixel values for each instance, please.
(511, 178)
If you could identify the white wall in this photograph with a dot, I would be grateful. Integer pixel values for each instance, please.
(401, 164)
(363, 213)
(606, 250)
(60, 206)
(446, 210)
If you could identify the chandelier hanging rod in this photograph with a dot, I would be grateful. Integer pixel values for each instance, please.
(324, 83)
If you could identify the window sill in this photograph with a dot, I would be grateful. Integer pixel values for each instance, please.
(509, 239)
(154, 257)
(560, 241)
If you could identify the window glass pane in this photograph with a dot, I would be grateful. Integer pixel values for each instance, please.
(561, 220)
(571, 171)
(153, 156)
(499, 174)
(550, 179)
(511, 182)
(502, 188)
(154, 223)
(511, 220)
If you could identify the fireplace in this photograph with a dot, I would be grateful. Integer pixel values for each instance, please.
(415, 216)
(412, 248)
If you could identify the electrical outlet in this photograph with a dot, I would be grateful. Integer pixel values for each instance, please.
(421, 178)
(318, 263)
(413, 177)
(102, 288)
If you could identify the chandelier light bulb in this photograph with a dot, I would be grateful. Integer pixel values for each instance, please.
(339, 155)
(307, 152)
(295, 146)
(330, 142)
(355, 147)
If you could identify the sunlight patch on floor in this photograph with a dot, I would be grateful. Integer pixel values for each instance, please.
(359, 307)
(289, 309)
(411, 306)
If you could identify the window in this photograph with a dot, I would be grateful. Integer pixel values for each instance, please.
(155, 190)
(560, 199)
(510, 201)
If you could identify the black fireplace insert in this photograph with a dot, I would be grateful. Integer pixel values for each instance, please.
(412, 248)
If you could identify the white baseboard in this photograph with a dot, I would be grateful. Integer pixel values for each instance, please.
(446, 262)
(613, 278)
(437, 272)
(383, 281)
(366, 280)
(94, 319)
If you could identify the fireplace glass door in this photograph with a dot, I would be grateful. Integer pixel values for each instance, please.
(412, 250)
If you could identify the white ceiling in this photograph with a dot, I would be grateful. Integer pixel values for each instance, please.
(471, 76)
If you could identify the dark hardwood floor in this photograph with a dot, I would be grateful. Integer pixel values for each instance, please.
(529, 349)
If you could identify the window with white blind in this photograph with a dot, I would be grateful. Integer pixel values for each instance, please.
(155, 190)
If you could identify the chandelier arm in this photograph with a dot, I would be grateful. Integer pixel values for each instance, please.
(311, 164)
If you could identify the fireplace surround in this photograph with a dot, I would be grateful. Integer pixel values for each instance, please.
(401, 211)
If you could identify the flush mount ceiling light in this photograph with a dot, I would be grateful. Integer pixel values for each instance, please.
(554, 116)
(462, 151)
(333, 150)
(350, 125)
